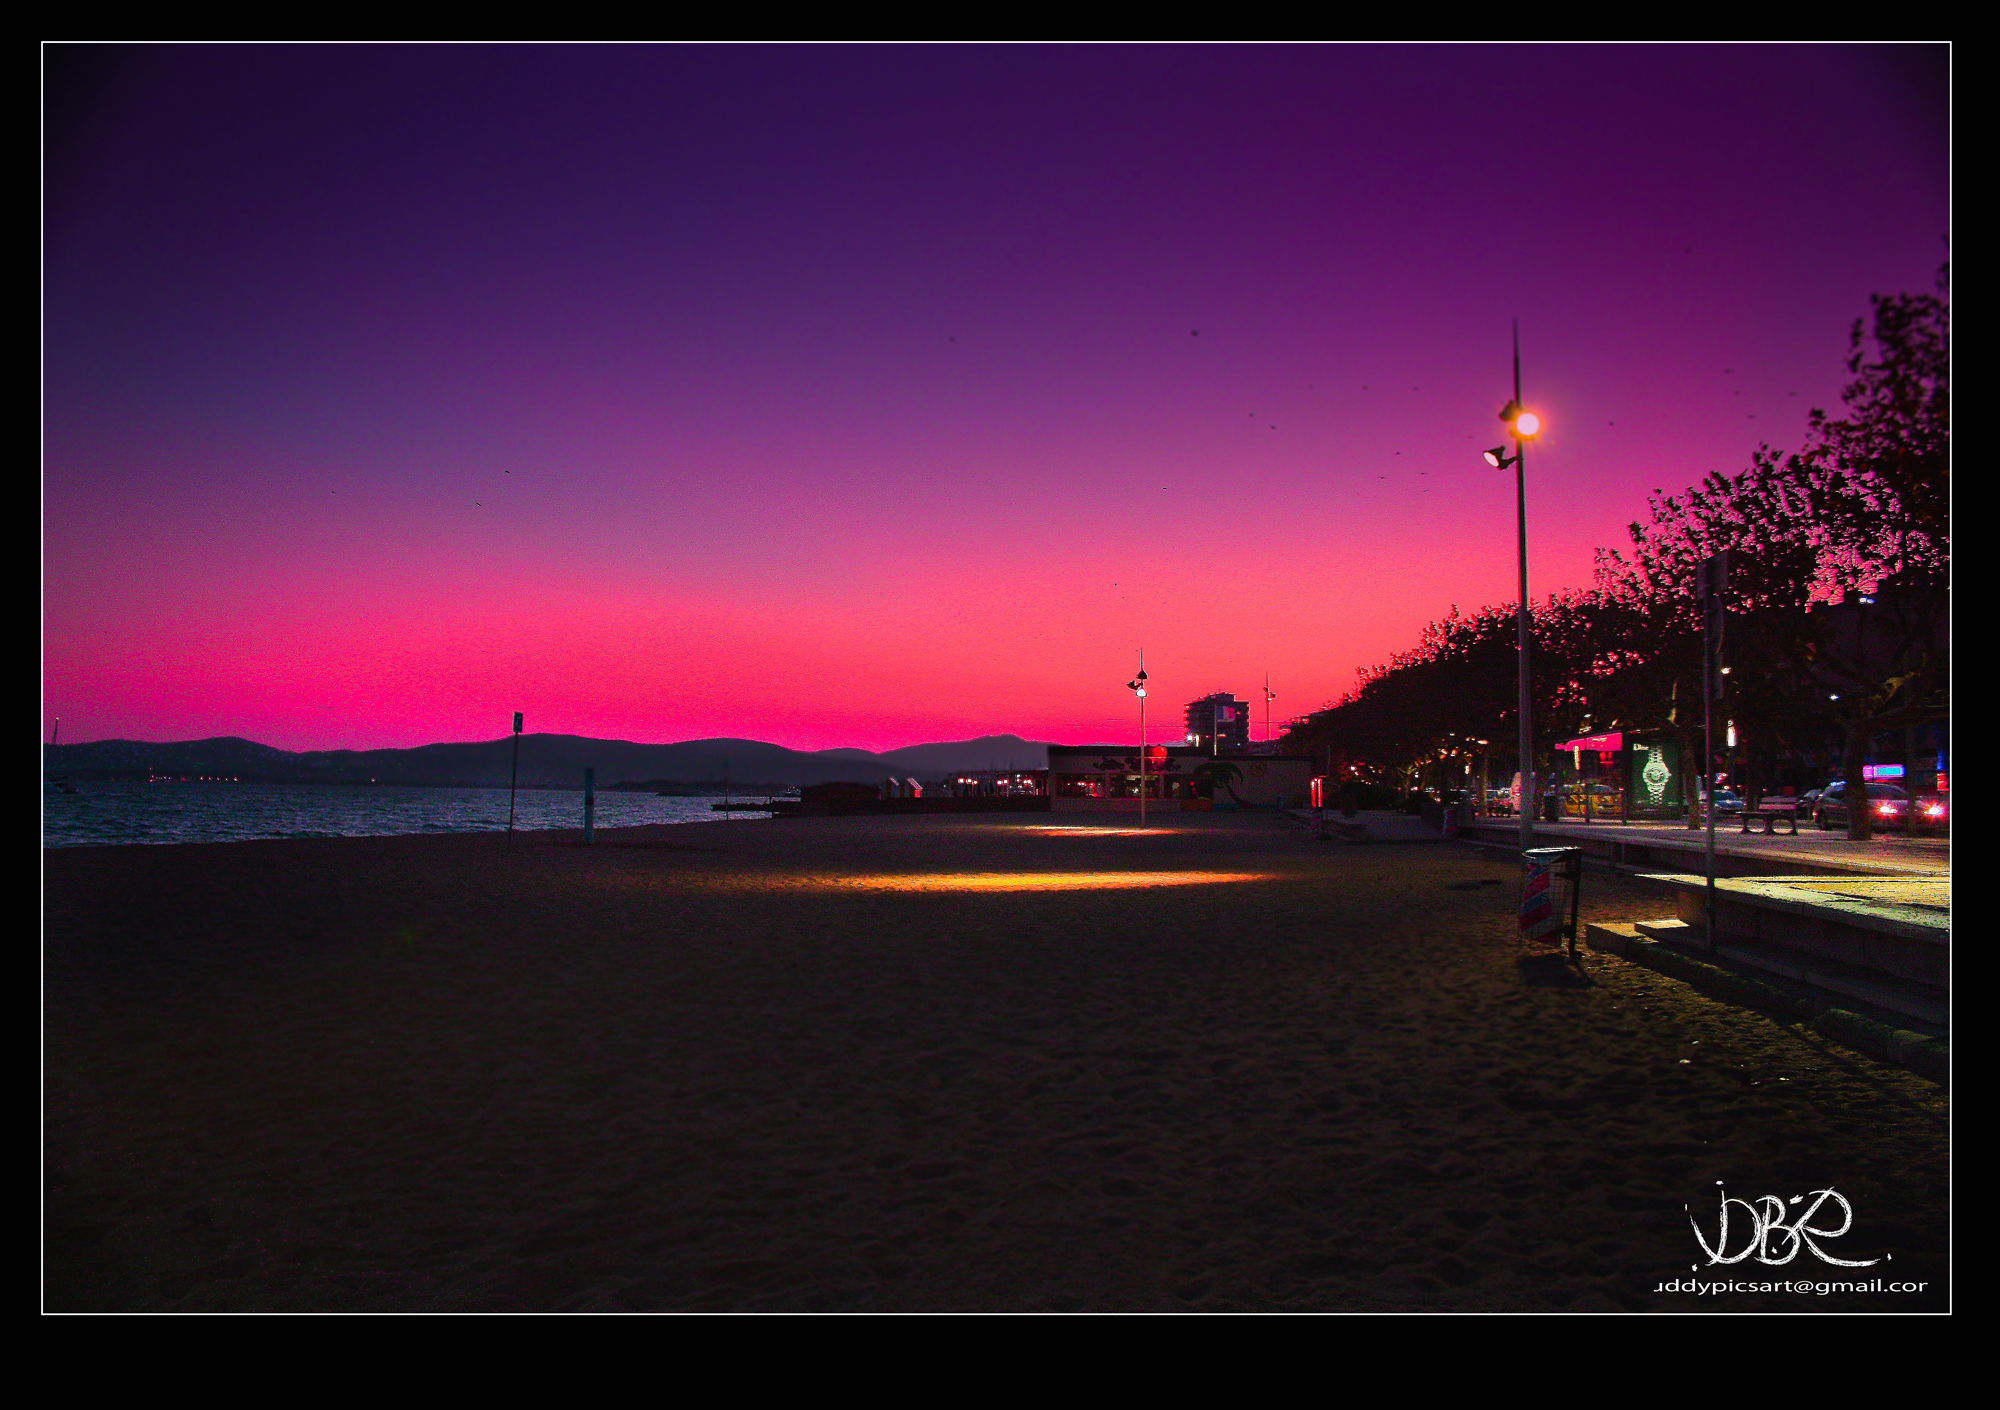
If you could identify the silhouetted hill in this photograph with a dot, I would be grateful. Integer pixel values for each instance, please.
(993, 751)
(549, 759)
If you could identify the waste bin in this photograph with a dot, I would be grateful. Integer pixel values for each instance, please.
(1552, 894)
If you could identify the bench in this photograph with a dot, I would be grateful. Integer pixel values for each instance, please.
(1770, 815)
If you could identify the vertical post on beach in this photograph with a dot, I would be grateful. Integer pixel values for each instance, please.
(727, 797)
(513, 780)
(589, 806)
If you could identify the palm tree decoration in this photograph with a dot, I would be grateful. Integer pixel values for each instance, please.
(1220, 773)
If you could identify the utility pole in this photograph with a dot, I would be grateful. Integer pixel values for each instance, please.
(1709, 584)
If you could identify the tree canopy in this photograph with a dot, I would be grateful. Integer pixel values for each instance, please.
(1837, 601)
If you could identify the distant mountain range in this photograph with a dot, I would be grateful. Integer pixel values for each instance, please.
(556, 760)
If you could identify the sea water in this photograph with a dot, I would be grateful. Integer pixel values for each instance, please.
(120, 812)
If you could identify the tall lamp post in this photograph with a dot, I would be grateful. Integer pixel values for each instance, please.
(1524, 425)
(1137, 686)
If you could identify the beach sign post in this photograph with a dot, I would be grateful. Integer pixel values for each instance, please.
(513, 780)
(589, 806)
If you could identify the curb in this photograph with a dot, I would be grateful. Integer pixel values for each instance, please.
(1926, 1056)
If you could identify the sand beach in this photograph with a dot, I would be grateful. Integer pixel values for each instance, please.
(1038, 1063)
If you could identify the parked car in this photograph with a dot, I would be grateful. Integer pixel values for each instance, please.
(1728, 802)
(1933, 812)
(1807, 799)
(1889, 804)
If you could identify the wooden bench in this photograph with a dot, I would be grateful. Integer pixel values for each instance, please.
(1770, 815)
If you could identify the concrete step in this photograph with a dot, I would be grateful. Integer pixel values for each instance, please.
(1838, 982)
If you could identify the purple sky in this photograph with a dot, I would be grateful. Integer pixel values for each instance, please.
(854, 395)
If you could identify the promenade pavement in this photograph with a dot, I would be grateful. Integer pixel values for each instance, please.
(1880, 856)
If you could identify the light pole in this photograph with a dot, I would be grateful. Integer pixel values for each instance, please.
(1525, 426)
(1268, 698)
(1137, 686)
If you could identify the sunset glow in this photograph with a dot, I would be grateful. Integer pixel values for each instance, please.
(874, 395)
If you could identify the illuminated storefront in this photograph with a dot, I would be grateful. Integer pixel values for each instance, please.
(1106, 778)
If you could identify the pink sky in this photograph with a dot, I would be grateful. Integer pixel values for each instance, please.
(853, 396)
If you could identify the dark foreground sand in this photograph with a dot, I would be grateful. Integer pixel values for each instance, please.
(688, 1068)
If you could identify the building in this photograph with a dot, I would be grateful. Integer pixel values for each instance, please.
(1218, 724)
(1105, 778)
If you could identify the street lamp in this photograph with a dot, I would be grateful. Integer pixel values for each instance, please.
(1137, 686)
(1524, 426)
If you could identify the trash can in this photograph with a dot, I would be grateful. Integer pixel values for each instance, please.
(1552, 895)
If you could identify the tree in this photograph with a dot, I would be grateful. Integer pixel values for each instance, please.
(1856, 521)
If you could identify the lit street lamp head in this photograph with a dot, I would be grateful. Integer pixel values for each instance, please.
(1524, 424)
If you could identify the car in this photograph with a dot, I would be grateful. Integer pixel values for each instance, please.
(1808, 798)
(1889, 804)
(1728, 802)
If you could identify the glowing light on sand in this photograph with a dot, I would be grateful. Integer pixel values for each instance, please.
(1105, 831)
(1012, 881)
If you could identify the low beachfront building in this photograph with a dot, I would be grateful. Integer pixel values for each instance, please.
(1105, 778)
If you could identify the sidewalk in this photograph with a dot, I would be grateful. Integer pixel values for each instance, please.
(1670, 844)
